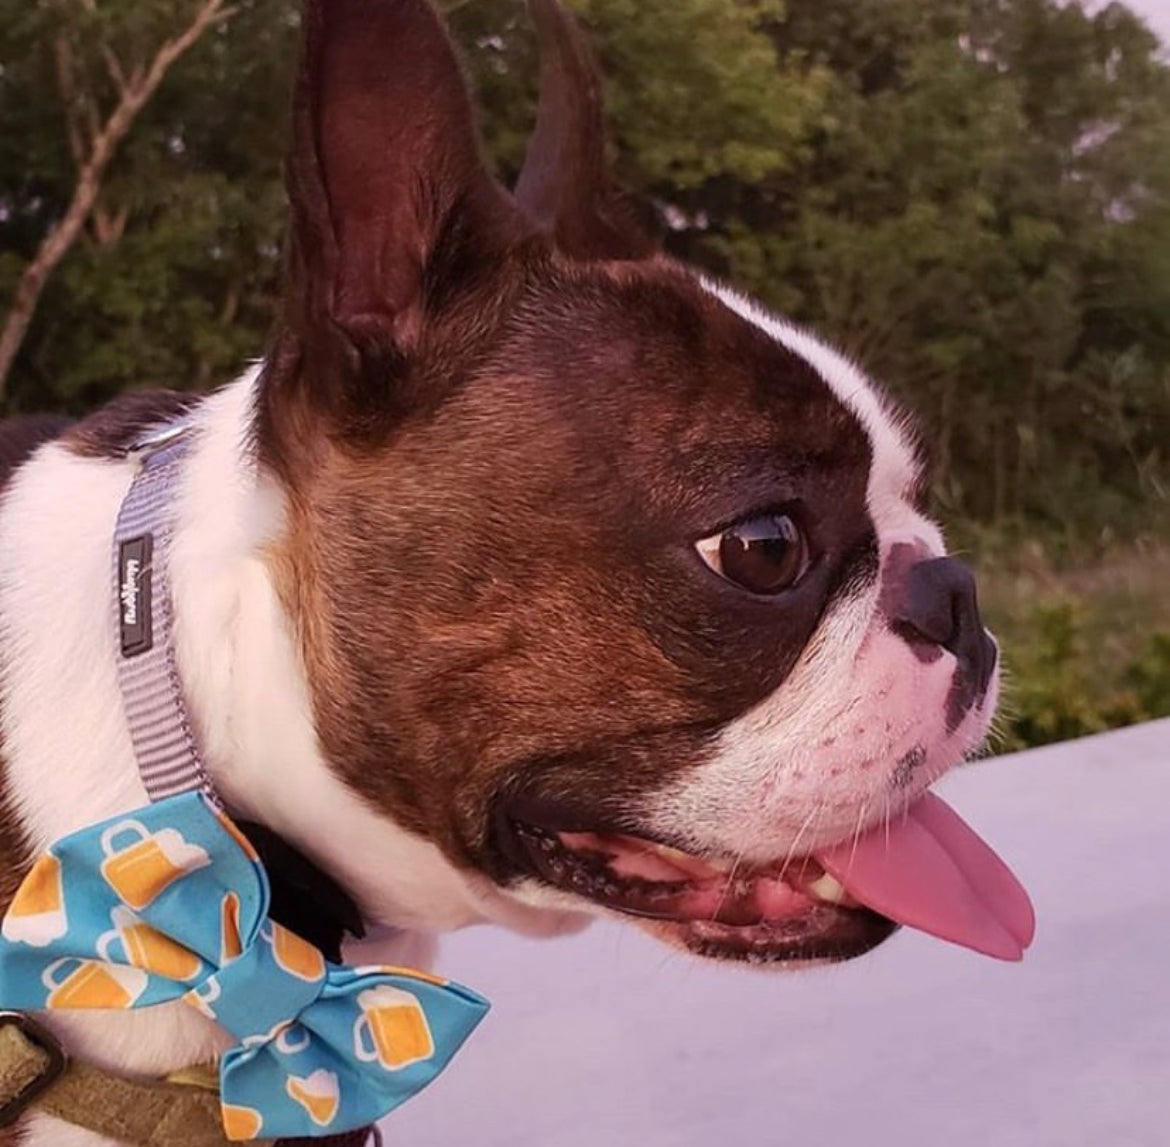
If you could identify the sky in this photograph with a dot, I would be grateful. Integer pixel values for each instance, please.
(1157, 14)
(609, 1040)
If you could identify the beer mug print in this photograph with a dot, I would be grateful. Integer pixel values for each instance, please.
(140, 869)
(296, 956)
(230, 944)
(294, 1038)
(318, 1093)
(232, 829)
(37, 913)
(202, 997)
(392, 1029)
(77, 983)
(240, 1122)
(141, 945)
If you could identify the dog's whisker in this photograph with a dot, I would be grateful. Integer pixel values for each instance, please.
(861, 813)
(728, 884)
(814, 815)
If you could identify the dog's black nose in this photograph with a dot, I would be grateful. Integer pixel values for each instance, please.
(937, 608)
(939, 603)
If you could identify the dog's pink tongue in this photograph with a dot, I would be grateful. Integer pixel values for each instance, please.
(932, 872)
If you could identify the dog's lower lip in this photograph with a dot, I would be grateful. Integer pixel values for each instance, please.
(782, 912)
(763, 945)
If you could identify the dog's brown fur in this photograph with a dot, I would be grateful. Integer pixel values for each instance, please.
(112, 430)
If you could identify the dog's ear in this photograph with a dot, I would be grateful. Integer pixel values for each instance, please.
(393, 213)
(565, 185)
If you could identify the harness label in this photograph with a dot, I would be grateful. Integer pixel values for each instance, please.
(134, 594)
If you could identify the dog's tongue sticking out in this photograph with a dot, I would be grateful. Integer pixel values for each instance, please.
(930, 871)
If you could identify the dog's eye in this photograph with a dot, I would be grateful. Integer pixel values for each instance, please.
(765, 554)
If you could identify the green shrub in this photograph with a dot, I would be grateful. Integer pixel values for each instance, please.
(1057, 688)
(1149, 676)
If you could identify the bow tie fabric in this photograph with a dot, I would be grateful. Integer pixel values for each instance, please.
(171, 902)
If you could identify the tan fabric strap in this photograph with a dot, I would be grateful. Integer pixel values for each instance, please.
(141, 1113)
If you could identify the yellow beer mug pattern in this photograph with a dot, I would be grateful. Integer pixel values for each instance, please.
(230, 944)
(36, 915)
(141, 870)
(392, 1028)
(92, 984)
(241, 1122)
(296, 956)
(233, 830)
(144, 947)
(202, 997)
(318, 1093)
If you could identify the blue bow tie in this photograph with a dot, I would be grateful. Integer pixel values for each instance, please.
(171, 902)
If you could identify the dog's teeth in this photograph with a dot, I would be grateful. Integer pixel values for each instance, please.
(828, 889)
(672, 854)
(686, 859)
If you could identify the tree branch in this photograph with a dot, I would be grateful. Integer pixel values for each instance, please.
(114, 68)
(139, 87)
(70, 99)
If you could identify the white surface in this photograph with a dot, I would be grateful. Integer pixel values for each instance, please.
(608, 1039)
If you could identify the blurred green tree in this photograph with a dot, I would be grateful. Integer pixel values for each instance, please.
(141, 143)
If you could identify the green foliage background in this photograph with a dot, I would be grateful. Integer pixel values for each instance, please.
(971, 196)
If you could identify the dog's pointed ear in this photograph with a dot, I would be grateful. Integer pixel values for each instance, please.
(565, 186)
(392, 208)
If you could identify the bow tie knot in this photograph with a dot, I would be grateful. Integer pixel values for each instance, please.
(172, 903)
(292, 971)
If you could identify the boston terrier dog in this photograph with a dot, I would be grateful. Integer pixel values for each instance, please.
(532, 575)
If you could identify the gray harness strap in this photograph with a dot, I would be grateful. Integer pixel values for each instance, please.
(160, 728)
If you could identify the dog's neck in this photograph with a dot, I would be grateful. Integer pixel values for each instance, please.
(238, 657)
(249, 700)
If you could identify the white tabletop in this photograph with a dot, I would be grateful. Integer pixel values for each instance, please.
(607, 1039)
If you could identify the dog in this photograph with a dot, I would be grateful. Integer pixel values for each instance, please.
(531, 575)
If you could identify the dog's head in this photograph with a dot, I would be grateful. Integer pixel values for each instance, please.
(612, 586)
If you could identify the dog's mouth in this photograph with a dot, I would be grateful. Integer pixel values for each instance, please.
(775, 913)
(926, 869)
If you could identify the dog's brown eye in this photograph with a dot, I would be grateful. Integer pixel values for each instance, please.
(765, 554)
